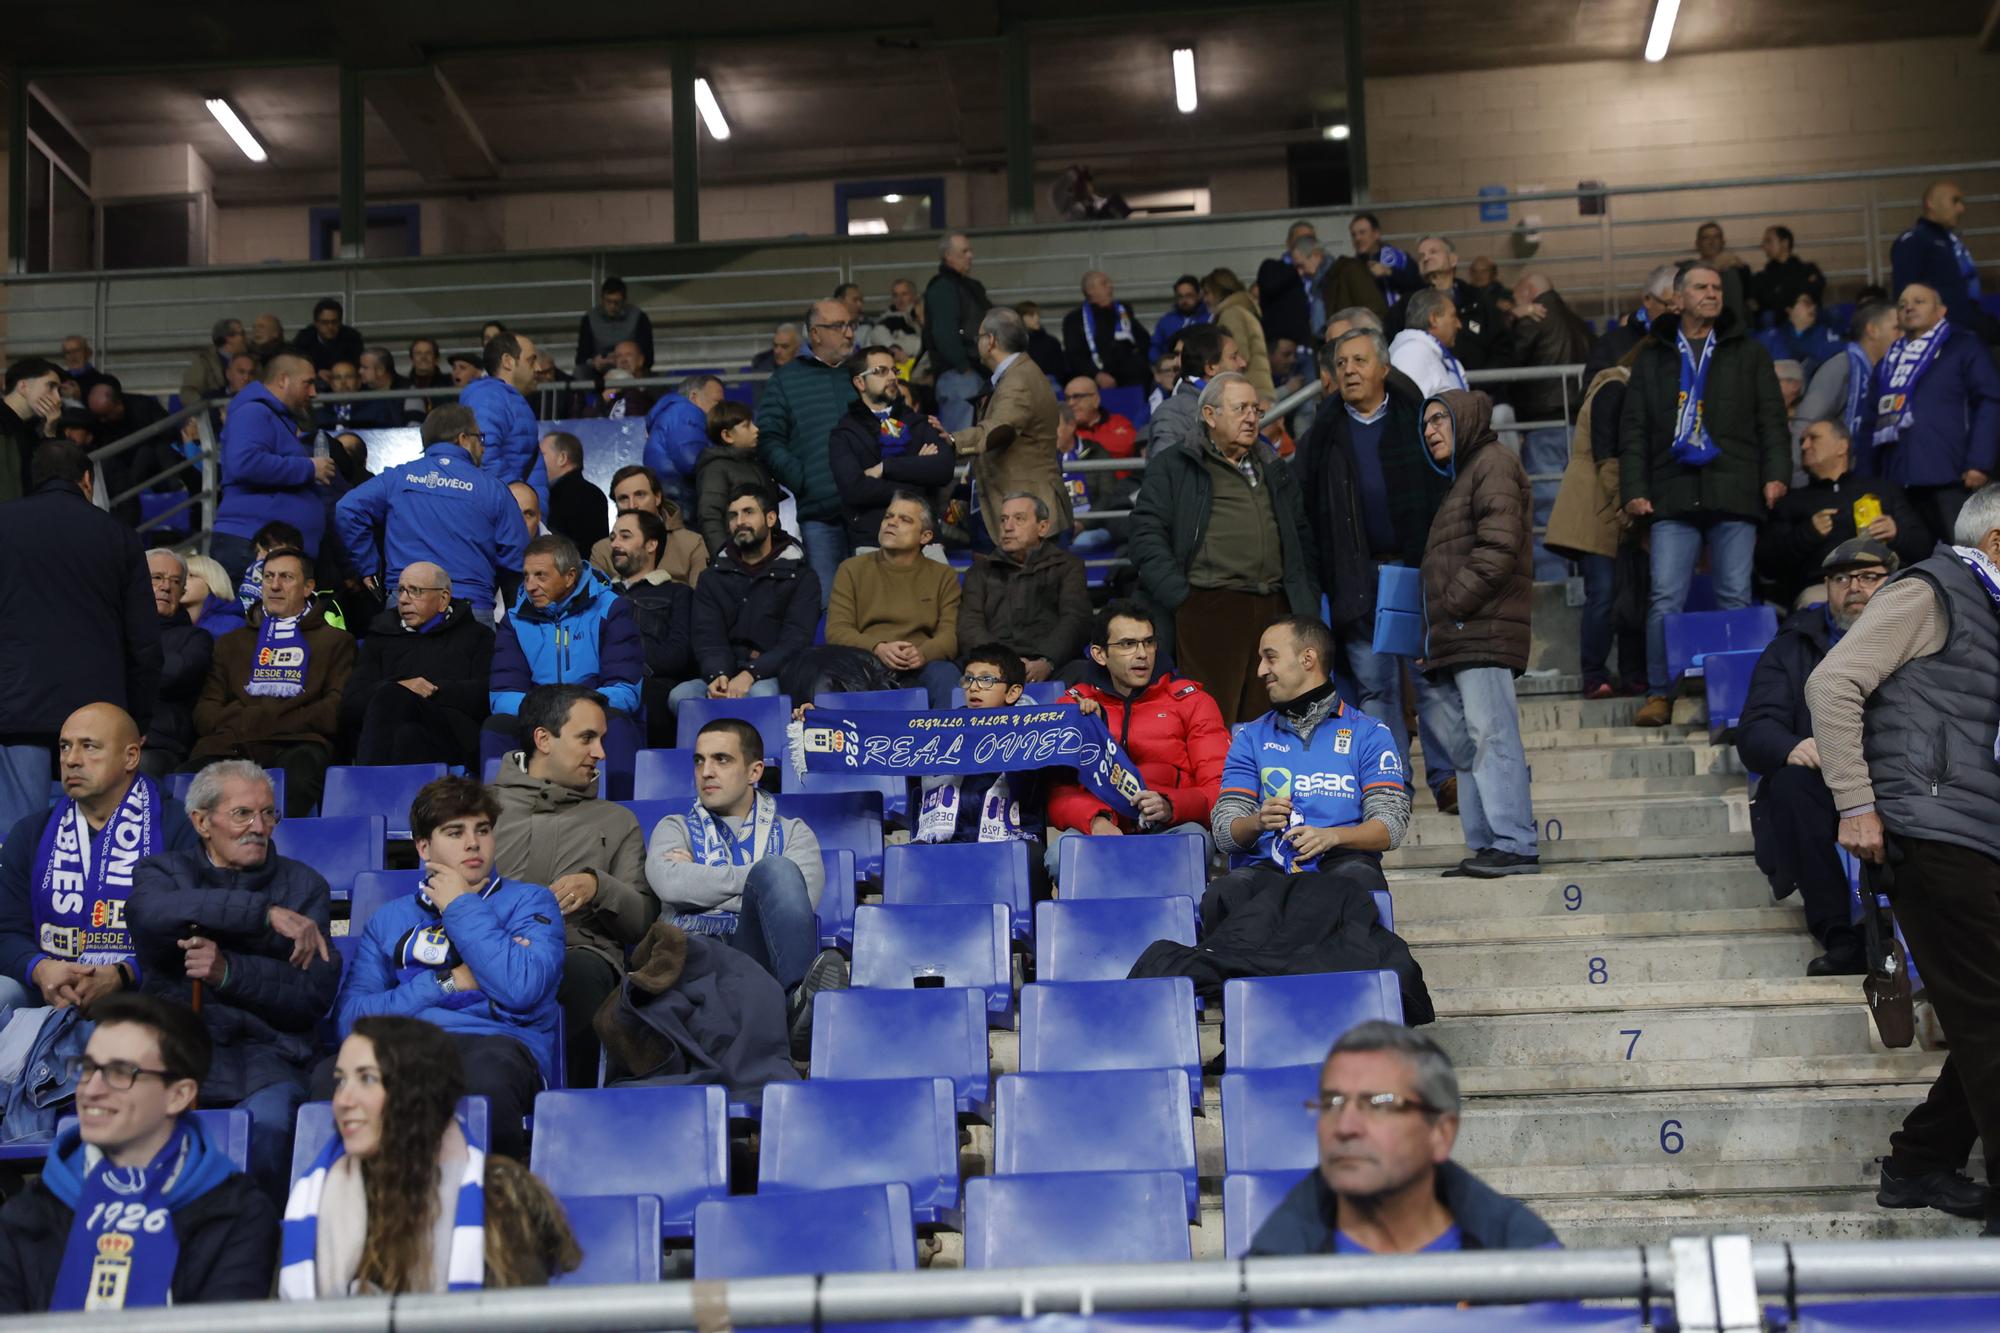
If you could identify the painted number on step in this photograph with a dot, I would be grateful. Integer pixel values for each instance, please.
(1598, 974)
(1553, 830)
(1631, 1046)
(1572, 897)
(1671, 1141)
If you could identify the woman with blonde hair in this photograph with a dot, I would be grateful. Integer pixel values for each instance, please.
(207, 598)
(1237, 315)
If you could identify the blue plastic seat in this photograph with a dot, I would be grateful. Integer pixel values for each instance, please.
(836, 899)
(650, 813)
(372, 889)
(769, 714)
(1933, 1314)
(1265, 1124)
(314, 1127)
(1099, 939)
(1692, 634)
(1102, 1120)
(968, 944)
(668, 1142)
(1385, 907)
(339, 847)
(960, 872)
(228, 1128)
(916, 699)
(1277, 1022)
(860, 1229)
(1034, 692)
(386, 790)
(1128, 401)
(1248, 1197)
(1148, 867)
(619, 1235)
(664, 775)
(894, 790)
(824, 1134)
(1145, 1023)
(906, 1034)
(1094, 1217)
(178, 783)
(1725, 678)
(843, 819)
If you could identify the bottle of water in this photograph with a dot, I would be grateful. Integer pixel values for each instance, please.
(320, 449)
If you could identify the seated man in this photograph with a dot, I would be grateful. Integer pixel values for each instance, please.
(1388, 1116)
(239, 932)
(732, 866)
(567, 628)
(591, 853)
(1030, 595)
(1312, 787)
(217, 1240)
(476, 954)
(985, 807)
(686, 554)
(419, 691)
(756, 610)
(1112, 432)
(66, 873)
(273, 692)
(1836, 505)
(188, 649)
(665, 610)
(1793, 816)
(900, 605)
(1169, 726)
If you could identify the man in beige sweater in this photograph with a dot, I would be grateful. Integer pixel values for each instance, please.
(899, 605)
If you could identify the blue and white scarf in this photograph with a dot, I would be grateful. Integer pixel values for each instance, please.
(250, 590)
(1451, 365)
(1692, 445)
(79, 904)
(712, 843)
(892, 433)
(1860, 378)
(937, 817)
(465, 1267)
(123, 1246)
(429, 949)
(1967, 269)
(1903, 368)
(1123, 333)
(278, 668)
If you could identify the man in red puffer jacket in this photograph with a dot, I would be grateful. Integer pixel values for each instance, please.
(1171, 728)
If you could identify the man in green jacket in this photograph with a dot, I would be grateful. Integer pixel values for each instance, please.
(1223, 549)
(1704, 454)
(796, 414)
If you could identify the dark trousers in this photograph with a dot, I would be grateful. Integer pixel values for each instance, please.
(588, 979)
(1231, 891)
(1939, 506)
(1614, 614)
(1797, 849)
(304, 763)
(1948, 901)
(500, 1069)
(402, 727)
(1215, 641)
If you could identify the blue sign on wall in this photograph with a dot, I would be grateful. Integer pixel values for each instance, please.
(1493, 212)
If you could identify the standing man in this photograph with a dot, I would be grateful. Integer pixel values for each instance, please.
(328, 338)
(1784, 277)
(267, 471)
(1843, 388)
(1482, 336)
(1290, 294)
(499, 399)
(955, 304)
(1031, 596)
(1423, 350)
(613, 320)
(881, 445)
(28, 414)
(1206, 351)
(577, 509)
(1014, 445)
(1546, 332)
(756, 609)
(418, 694)
(1704, 455)
(1936, 426)
(1222, 545)
(1188, 311)
(1102, 338)
(206, 373)
(1904, 713)
(796, 414)
(1394, 272)
(1932, 252)
(677, 430)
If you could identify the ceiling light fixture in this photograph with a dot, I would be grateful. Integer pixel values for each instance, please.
(892, 198)
(1335, 133)
(1184, 95)
(711, 110)
(1664, 13)
(232, 124)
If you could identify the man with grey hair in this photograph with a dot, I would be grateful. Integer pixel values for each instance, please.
(784, 346)
(954, 304)
(677, 432)
(899, 605)
(1423, 350)
(186, 650)
(1015, 444)
(1102, 338)
(1030, 596)
(1903, 716)
(1388, 1116)
(1842, 389)
(206, 375)
(1482, 337)
(796, 413)
(418, 692)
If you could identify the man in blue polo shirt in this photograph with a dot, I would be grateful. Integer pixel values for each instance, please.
(1312, 787)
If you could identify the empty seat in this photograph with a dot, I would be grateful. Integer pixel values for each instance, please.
(377, 789)
(1725, 678)
(894, 790)
(861, 1229)
(1692, 634)
(1098, 1217)
(668, 1142)
(373, 888)
(1148, 867)
(1274, 1022)
(960, 872)
(314, 1127)
(836, 899)
(1248, 1197)
(178, 783)
(228, 1128)
(906, 1034)
(823, 1134)
(619, 1235)
(1148, 1023)
(1100, 939)
(1265, 1124)
(339, 847)
(769, 714)
(664, 775)
(842, 819)
(963, 943)
(1103, 1120)
(916, 699)
(1034, 692)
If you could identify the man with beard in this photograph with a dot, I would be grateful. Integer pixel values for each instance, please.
(664, 609)
(756, 609)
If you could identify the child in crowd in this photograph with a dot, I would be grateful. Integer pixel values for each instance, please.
(729, 461)
(987, 807)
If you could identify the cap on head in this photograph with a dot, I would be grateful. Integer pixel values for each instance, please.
(1860, 553)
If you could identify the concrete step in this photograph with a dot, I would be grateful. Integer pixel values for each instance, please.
(1569, 927)
(1545, 714)
(1527, 1043)
(1774, 1216)
(1833, 1180)
(1718, 1074)
(1695, 818)
(1439, 855)
(1602, 762)
(1681, 884)
(1691, 786)
(1607, 959)
(1625, 995)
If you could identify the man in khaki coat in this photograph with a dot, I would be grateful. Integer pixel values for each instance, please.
(1013, 444)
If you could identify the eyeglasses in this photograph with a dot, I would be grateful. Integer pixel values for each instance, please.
(119, 1075)
(1372, 1104)
(874, 371)
(413, 590)
(472, 435)
(980, 682)
(243, 816)
(168, 580)
(1132, 645)
(1867, 578)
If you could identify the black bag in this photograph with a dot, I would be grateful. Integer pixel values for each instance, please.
(1887, 984)
(829, 667)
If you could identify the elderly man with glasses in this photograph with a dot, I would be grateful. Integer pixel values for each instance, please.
(186, 650)
(418, 692)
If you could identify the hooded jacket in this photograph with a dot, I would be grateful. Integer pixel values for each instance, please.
(267, 470)
(547, 830)
(855, 445)
(457, 657)
(228, 717)
(1039, 607)
(441, 508)
(755, 620)
(590, 637)
(1479, 572)
(508, 423)
(676, 434)
(226, 1226)
(1304, 1222)
(1173, 732)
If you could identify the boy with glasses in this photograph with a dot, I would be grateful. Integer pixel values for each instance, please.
(985, 807)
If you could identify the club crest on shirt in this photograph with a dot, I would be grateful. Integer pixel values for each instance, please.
(1343, 740)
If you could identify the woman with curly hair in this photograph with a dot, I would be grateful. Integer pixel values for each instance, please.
(400, 1201)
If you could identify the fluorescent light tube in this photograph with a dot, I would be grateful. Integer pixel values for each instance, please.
(232, 124)
(1184, 95)
(1664, 13)
(711, 110)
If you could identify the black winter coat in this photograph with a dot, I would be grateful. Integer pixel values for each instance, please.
(1743, 412)
(457, 657)
(856, 445)
(1789, 551)
(1775, 717)
(186, 650)
(665, 610)
(579, 511)
(755, 622)
(77, 607)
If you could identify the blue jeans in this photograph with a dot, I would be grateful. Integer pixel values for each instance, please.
(1546, 452)
(956, 392)
(12, 996)
(938, 678)
(1732, 544)
(775, 926)
(826, 547)
(274, 1113)
(698, 689)
(1380, 677)
(234, 554)
(1473, 708)
(1600, 609)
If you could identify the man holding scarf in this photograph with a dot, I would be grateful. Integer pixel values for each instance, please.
(1103, 340)
(1935, 426)
(1904, 718)
(135, 1205)
(1705, 453)
(65, 874)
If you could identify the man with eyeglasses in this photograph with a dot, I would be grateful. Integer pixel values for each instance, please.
(1112, 432)
(201, 1230)
(418, 692)
(1837, 504)
(1386, 1116)
(882, 445)
(240, 932)
(796, 413)
(186, 650)
(1791, 813)
(440, 508)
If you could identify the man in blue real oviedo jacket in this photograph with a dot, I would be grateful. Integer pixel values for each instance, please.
(499, 400)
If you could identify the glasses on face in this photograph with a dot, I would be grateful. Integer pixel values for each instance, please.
(1132, 645)
(119, 1075)
(242, 816)
(1079, 397)
(168, 580)
(981, 682)
(413, 590)
(1372, 1104)
(878, 372)
(1866, 578)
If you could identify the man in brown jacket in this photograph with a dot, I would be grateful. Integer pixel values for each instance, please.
(899, 604)
(591, 853)
(1013, 443)
(1479, 585)
(1031, 595)
(273, 691)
